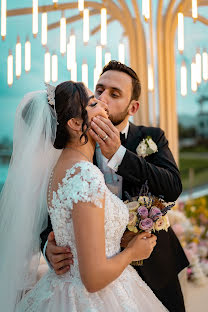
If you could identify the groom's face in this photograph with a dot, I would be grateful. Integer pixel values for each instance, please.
(115, 89)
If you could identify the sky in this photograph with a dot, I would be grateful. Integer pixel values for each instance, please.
(195, 37)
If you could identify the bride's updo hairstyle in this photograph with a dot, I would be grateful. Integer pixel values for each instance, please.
(71, 100)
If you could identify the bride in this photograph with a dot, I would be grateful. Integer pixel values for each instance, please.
(52, 170)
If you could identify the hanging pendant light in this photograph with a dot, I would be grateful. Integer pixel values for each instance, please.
(96, 77)
(81, 5)
(193, 76)
(74, 72)
(198, 67)
(3, 18)
(194, 10)
(44, 28)
(63, 34)
(86, 26)
(146, 9)
(35, 18)
(47, 65)
(180, 32)
(10, 68)
(27, 55)
(18, 58)
(85, 73)
(54, 75)
(71, 51)
(99, 64)
(103, 31)
(183, 79)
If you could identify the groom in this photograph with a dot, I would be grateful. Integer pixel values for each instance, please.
(125, 171)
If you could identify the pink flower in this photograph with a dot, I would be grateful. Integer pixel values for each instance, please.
(146, 224)
(178, 229)
(155, 213)
(142, 212)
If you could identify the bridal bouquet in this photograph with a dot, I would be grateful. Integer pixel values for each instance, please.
(147, 213)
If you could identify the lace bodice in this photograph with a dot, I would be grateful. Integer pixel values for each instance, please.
(85, 182)
(128, 293)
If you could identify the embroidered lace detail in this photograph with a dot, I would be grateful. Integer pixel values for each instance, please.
(128, 293)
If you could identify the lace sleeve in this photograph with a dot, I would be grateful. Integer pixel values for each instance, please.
(83, 182)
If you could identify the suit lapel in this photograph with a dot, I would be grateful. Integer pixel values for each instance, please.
(135, 135)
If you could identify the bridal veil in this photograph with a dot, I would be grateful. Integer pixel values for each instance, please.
(23, 200)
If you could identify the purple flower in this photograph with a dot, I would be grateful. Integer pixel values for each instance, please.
(142, 212)
(155, 213)
(146, 224)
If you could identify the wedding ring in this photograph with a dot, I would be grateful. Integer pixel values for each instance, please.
(105, 138)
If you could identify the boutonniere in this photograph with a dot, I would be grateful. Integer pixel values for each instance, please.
(146, 147)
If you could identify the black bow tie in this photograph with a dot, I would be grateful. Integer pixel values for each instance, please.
(122, 138)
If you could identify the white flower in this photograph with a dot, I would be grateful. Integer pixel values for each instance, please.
(146, 147)
(152, 145)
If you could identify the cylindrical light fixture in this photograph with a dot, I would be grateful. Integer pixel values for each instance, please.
(150, 78)
(183, 79)
(198, 67)
(103, 31)
(146, 9)
(121, 53)
(18, 58)
(194, 9)
(54, 68)
(180, 32)
(99, 64)
(74, 72)
(85, 74)
(3, 18)
(96, 77)
(86, 26)
(193, 76)
(10, 68)
(55, 1)
(107, 57)
(35, 18)
(81, 5)
(205, 65)
(71, 51)
(47, 65)
(63, 35)
(44, 29)
(27, 55)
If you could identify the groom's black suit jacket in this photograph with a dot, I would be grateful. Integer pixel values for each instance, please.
(160, 169)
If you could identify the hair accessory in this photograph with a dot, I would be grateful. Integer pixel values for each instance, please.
(51, 96)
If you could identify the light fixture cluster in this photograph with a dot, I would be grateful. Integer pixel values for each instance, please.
(66, 48)
(199, 71)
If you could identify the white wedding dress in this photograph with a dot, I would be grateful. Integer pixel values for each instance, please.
(53, 293)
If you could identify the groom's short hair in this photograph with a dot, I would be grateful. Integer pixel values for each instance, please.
(136, 84)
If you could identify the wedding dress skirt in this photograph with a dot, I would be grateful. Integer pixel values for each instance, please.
(67, 293)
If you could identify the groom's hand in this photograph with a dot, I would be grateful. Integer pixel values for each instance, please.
(59, 257)
(106, 135)
(127, 237)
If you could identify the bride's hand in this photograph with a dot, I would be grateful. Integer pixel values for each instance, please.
(60, 258)
(142, 246)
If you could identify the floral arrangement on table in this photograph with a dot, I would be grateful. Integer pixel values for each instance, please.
(147, 213)
(190, 225)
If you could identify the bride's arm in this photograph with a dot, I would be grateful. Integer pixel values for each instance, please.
(96, 270)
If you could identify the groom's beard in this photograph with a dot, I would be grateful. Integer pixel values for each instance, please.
(119, 118)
